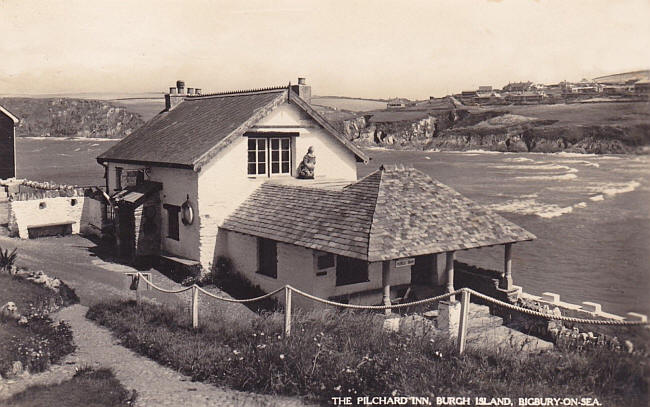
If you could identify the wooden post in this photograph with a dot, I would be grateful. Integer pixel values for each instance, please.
(449, 269)
(462, 326)
(195, 306)
(385, 280)
(287, 311)
(506, 281)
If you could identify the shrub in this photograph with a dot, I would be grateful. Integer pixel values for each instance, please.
(88, 387)
(7, 259)
(347, 353)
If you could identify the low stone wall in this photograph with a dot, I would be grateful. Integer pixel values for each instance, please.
(478, 279)
(42, 205)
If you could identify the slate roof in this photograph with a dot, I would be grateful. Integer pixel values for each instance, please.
(393, 213)
(196, 129)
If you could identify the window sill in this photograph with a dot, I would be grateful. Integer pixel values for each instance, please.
(266, 275)
(352, 283)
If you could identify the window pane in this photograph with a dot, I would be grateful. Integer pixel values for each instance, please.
(275, 155)
(285, 156)
(251, 168)
(261, 156)
(275, 168)
(275, 143)
(251, 156)
(251, 144)
(285, 168)
(261, 144)
(261, 168)
(285, 143)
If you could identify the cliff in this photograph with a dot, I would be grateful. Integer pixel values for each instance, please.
(600, 129)
(64, 117)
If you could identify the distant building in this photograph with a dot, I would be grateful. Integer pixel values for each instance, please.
(485, 89)
(468, 97)
(642, 87)
(399, 103)
(518, 87)
(7, 143)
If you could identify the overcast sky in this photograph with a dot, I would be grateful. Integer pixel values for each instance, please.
(356, 48)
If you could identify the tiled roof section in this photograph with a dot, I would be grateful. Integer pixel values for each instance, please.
(183, 135)
(319, 219)
(392, 213)
(417, 215)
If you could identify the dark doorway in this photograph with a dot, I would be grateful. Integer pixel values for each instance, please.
(125, 233)
(423, 272)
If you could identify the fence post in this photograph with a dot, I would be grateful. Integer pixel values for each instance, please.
(195, 306)
(287, 311)
(462, 326)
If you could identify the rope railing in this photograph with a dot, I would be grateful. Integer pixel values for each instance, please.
(288, 290)
(552, 316)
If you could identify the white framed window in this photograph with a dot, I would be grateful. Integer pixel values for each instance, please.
(269, 156)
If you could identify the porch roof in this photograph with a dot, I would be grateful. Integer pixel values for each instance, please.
(394, 212)
(136, 194)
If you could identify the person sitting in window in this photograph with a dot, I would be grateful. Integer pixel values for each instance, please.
(307, 165)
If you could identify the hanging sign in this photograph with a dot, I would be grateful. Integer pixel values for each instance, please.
(409, 261)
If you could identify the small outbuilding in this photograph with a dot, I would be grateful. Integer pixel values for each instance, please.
(8, 123)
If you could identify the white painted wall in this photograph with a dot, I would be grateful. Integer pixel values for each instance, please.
(45, 211)
(297, 267)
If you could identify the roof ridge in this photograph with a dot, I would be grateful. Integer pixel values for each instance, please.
(235, 92)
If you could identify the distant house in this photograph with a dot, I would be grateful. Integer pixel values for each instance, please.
(218, 176)
(518, 87)
(8, 124)
(468, 97)
(642, 87)
(485, 89)
(398, 103)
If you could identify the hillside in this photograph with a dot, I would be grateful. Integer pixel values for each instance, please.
(582, 127)
(64, 117)
(622, 78)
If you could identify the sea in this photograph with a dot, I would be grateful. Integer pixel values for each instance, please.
(590, 213)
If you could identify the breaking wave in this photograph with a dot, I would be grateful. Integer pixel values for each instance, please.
(540, 167)
(613, 188)
(532, 207)
(562, 177)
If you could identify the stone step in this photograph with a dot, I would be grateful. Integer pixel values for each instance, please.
(484, 321)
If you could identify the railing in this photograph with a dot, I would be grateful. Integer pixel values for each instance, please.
(465, 293)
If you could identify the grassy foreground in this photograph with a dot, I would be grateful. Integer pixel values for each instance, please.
(88, 388)
(340, 354)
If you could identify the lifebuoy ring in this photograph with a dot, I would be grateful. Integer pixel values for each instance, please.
(187, 213)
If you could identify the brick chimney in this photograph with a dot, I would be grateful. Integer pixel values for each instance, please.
(302, 89)
(176, 95)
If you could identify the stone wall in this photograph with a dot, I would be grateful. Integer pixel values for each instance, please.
(40, 212)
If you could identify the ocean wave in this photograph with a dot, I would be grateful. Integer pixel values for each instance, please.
(614, 188)
(583, 162)
(532, 207)
(539, 167)
(518, 159)
(580, 205)
(597, 198)
(562, 177)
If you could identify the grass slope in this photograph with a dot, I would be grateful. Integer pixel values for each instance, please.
(348, 354)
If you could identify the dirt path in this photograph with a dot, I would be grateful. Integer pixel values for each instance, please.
(73, 260)
(156, 385)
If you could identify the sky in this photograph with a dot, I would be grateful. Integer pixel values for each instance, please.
(374, 49)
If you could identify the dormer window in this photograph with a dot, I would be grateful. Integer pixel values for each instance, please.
(269, 155)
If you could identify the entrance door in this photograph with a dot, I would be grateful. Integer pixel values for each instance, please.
(423, 272)
(126, 233)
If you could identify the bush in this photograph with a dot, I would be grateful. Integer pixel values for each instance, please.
(7, 259)
(88, 387)
(36, 342)
(346, 354)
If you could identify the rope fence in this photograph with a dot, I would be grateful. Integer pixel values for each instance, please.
(288, 290)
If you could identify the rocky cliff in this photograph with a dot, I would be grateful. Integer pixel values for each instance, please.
(500, 130)
(63, 117)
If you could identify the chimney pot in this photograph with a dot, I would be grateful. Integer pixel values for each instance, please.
(302, 81)
(190, 91)
(181, 86)
(172, 90)
(197, 91)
